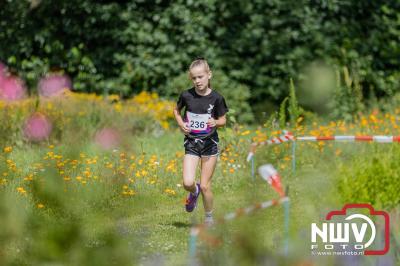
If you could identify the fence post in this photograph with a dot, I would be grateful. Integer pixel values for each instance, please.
(193, 245)
(294, 156)
(286, 205)
(252, 168)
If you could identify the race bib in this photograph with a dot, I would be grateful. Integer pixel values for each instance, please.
(197, 122)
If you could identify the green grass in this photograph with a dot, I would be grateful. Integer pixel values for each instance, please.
(95, 221)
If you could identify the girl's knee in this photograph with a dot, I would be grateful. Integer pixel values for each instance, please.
(188, 185)
(204, 187)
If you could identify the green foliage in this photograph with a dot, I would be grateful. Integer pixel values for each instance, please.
(373, 179)
(294, 109)
(236, 95)
(127, 46)
(282, 113)
(289, 106)
(62, 233)
(348, 98)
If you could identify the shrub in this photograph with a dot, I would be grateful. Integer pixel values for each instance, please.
(372, 179)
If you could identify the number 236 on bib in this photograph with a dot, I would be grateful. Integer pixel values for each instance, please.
(197, 122)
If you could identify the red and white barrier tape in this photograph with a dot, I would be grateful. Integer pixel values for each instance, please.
(290, 137)
(276, 140)
(269, 174)
(380, 139)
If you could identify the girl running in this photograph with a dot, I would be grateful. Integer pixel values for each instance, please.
(204, 112)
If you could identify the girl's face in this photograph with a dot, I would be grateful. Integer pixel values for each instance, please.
(200, 77)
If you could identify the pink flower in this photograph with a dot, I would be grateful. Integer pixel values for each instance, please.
(37, 127)
(12, 88)
(107, 138)
(54, 85)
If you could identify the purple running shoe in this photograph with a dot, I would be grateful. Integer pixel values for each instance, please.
(191, 200)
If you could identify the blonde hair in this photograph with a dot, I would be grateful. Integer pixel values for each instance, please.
(200, 61)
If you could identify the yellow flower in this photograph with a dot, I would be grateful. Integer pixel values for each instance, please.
(40, 206)
(7, 149)
(113, 97)
(129, 192)
(21, 190)
(170, 191)
(179, 154)
(28, 177)
(364, 122)
(245, 133)
(373, 118)
(79, 178)
(164, 124)
(118, 107)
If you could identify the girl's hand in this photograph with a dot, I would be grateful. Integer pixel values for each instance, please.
(184, 129)
(211, 122)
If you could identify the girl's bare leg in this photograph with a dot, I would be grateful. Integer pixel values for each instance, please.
(190, 163)
(207, 169)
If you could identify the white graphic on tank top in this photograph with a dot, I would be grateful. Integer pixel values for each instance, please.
(209, 110)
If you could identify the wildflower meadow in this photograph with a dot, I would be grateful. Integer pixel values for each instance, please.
(305, 95)
(104, 187)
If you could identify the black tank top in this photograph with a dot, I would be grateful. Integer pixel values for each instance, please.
(197, 110)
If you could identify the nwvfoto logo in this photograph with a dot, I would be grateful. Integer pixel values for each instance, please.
(349, 234)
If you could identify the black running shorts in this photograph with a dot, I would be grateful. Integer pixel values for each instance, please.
(202, 147)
